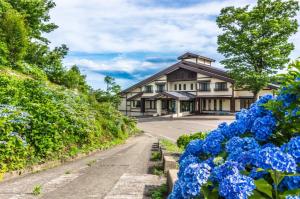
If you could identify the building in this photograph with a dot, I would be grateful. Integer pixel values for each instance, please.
(192, 85)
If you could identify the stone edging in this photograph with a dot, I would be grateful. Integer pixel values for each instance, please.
(48, 165)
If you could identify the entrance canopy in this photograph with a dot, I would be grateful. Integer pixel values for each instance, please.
(179, 95)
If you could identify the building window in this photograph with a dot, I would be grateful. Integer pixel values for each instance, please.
(184, 87)
(221, 86)
(160, 88)
(152, 104)
(204, 86)
(204, 104)
(148, 89)
(220, 105)
(192, 87)
(215, 105)
(175, 87)
(185, 106)
(245, 103)
(180, 87)
(136, 104)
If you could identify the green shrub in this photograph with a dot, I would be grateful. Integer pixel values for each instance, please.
(160, 192)
(59, 123)
(170, 146)
(184, 140)
(155, 156)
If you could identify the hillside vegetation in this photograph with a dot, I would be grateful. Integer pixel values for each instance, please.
(47, 111)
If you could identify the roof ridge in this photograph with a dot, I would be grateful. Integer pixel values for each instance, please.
(212, 68)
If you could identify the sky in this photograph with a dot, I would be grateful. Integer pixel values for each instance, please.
(132, 39)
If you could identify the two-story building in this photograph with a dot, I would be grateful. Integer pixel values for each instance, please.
(192, 85)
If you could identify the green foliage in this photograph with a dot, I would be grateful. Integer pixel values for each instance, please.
(160, 192)
(255, 41)
(37, 190)
(184, 140)
(112, 93)
(62, 120)
(73, 79)
(13, 35)
(155, 156)
(61, 123)
(36, 13)
(170, 146)
(23, 47)
(157, 170)
(13, 147)
(288, 116)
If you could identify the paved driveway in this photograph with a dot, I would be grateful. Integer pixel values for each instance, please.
(173, 128)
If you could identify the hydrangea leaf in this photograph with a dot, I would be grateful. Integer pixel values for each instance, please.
(279, 176)
(257, 195)
(209, 194)
(263, 186)
(291, 192)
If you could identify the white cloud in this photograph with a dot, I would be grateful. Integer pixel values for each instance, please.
(123, 26)
(101, 26)
(117, 64)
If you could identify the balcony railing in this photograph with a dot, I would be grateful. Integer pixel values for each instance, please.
(204, 90)
(148, 91)
(160, 90)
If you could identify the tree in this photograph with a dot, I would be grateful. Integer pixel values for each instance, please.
(13, 34)
(112, 93)
(74, 79)
(255, 41)
(36, 13)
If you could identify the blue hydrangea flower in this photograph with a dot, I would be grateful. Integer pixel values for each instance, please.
(177, 191)
(244, 157)
(258, 110)
(241, 144)
(213, 143)
(226, 169)
(290, 183)
(185, 162)
(194, 176)
(232, 130)
(194, 147)
(263, 127)
(257, 174)
(292, 197)
(210, 162)
(245, 120)
(286, 98)
(293, 148)
(273, 158)
(295, 112)
(236, 187)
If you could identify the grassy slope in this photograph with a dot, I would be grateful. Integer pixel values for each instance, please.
(60, 122)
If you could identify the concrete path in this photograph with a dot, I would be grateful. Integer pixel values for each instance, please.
(134, 186)
(171, 129)
(78, 180)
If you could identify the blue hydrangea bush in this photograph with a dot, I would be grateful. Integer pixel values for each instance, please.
(256, 156)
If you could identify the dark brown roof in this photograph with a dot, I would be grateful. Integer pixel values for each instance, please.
(199, 68)
(135, 96)
(193, 55)
(178, 95)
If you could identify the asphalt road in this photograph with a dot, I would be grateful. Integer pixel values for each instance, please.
(96, 175)
(173, 128)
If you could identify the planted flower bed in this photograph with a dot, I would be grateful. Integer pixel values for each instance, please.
(256, 156)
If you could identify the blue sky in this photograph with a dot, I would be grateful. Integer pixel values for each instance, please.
(132, 39)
